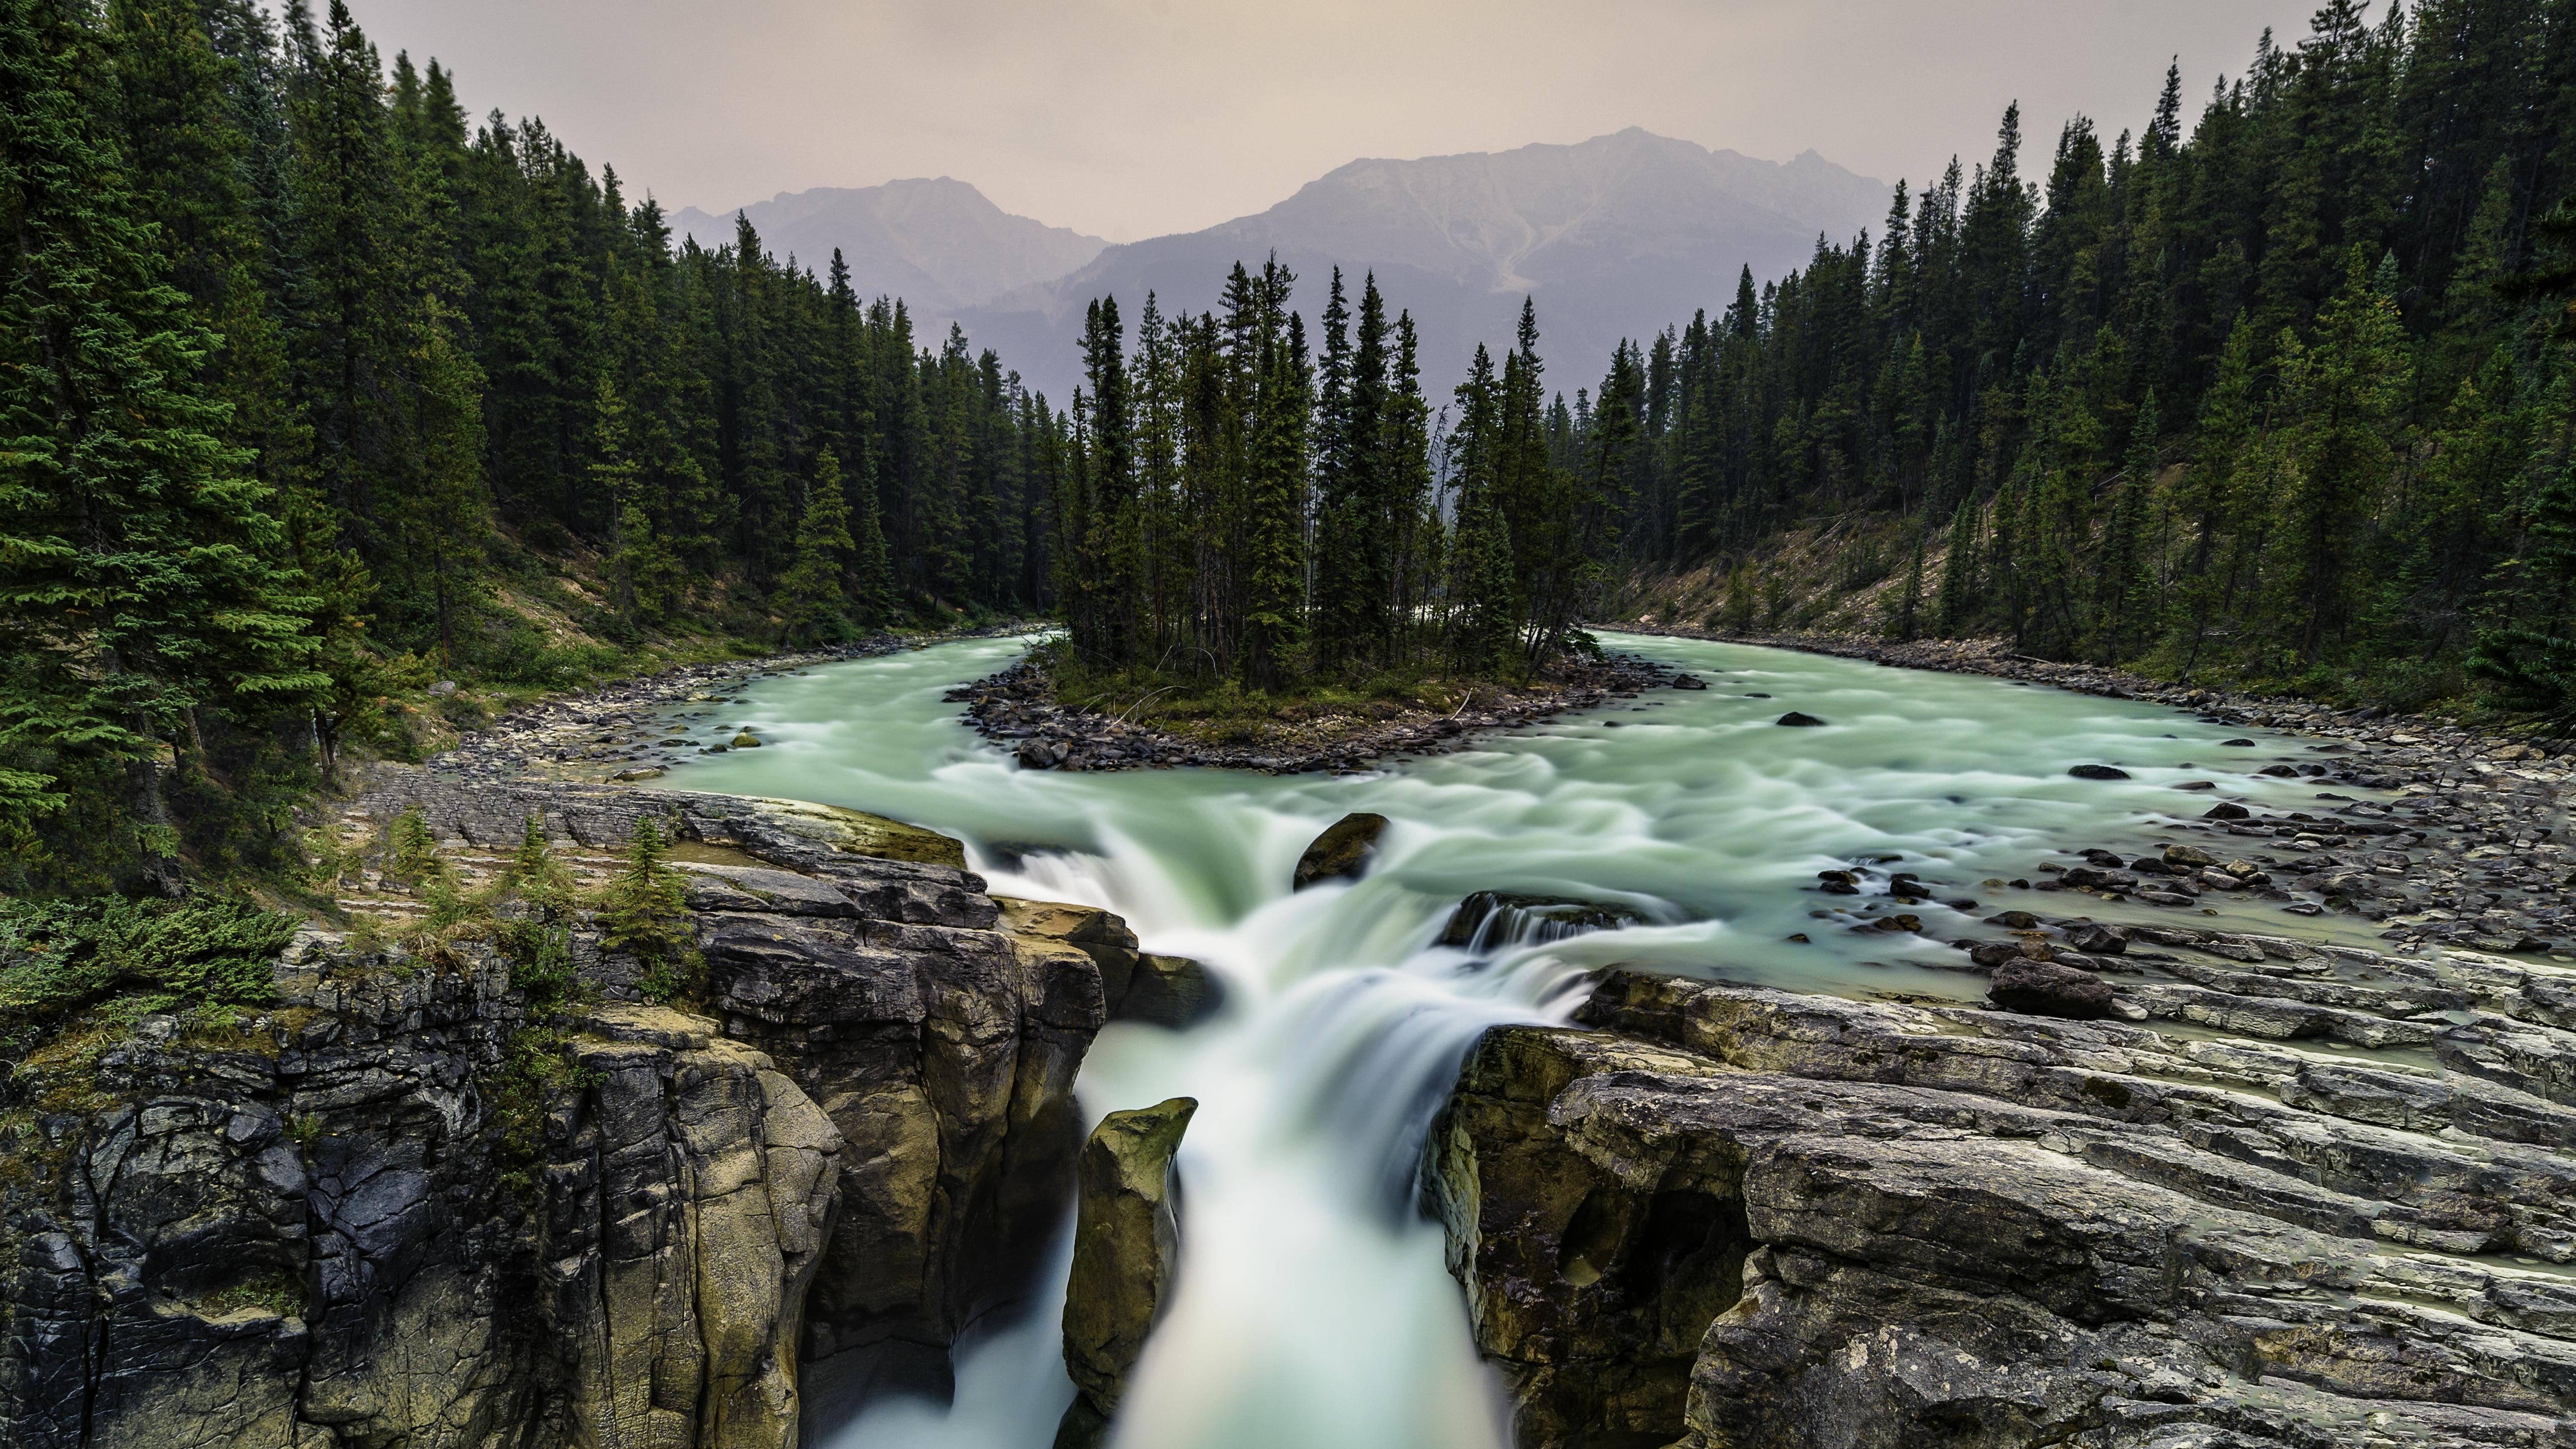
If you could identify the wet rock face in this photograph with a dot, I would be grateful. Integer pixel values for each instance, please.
(1126, 1252)
(1499, 918)
(1741, 1217)
(1342, 852)
(361, 1221)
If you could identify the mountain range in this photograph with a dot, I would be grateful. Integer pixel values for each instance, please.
(1618, 236)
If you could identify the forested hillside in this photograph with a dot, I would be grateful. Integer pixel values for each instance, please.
(2279, 388)
(316, 391)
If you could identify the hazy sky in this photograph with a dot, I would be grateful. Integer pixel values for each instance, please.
(1130, 118)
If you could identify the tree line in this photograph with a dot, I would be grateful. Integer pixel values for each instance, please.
(2284, 396)
(306, 384)
(1240, 505)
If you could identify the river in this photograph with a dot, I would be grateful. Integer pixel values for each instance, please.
(1312, 1306)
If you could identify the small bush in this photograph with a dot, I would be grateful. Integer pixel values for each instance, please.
(644, 912)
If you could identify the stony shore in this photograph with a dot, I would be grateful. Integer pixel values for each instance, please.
(1017, 710)
(2461, 839)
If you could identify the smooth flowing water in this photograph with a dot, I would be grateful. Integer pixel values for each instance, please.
(1312, 1305)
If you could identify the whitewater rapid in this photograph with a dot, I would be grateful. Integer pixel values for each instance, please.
(1312, 1305)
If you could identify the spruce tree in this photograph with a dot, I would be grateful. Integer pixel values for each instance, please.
(813, 598)
(2342, 391)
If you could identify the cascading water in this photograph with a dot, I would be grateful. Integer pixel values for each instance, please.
(1313, 1306)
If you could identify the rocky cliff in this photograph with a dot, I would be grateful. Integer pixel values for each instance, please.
(393, 1210)
(2324, 1201)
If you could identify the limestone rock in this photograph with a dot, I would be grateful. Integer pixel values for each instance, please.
(393, 1211)
(787, 833)
(1126, 1250)
(1172, 991)
(1342, 852)
(1734, 1216)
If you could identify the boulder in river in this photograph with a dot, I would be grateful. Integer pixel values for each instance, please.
(2099, 772)
(2225, 810)
(2096, 939)
(1342, 852)
(1126, 1250)
(1801, 721)
(1172, 991)
(2050, 988)
(1689, 681)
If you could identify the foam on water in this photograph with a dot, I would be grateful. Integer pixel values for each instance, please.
(1312, 1305)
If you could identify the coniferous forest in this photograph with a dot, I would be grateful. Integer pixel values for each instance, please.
(1241, 504)
(2276, 390)
(311, 383)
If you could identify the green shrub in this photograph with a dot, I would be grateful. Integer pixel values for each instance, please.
(60, 956)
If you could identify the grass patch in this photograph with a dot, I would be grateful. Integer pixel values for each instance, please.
(280, 1293)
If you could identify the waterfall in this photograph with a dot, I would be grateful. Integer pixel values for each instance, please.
(1684, 833)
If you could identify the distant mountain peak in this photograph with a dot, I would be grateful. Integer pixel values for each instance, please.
(936, 241)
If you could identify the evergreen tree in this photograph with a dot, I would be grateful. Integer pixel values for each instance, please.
(814, 595)
(142, 575)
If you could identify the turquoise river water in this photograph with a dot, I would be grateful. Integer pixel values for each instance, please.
(1312, 1305)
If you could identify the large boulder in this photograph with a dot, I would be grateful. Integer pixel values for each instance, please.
(1342, 852)
(1170, 991)
(1126, 1252)
(2050, 988)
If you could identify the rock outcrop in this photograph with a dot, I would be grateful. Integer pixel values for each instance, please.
(1126, 1251)
(396, 1209)
(1732, 1216)
(1135, 985)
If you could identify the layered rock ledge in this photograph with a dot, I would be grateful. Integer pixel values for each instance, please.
(2312, 1203)
(397, 1210)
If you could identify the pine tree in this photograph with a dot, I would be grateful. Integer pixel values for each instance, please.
(1275, 491)
(643, 913)
(2124, 589)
